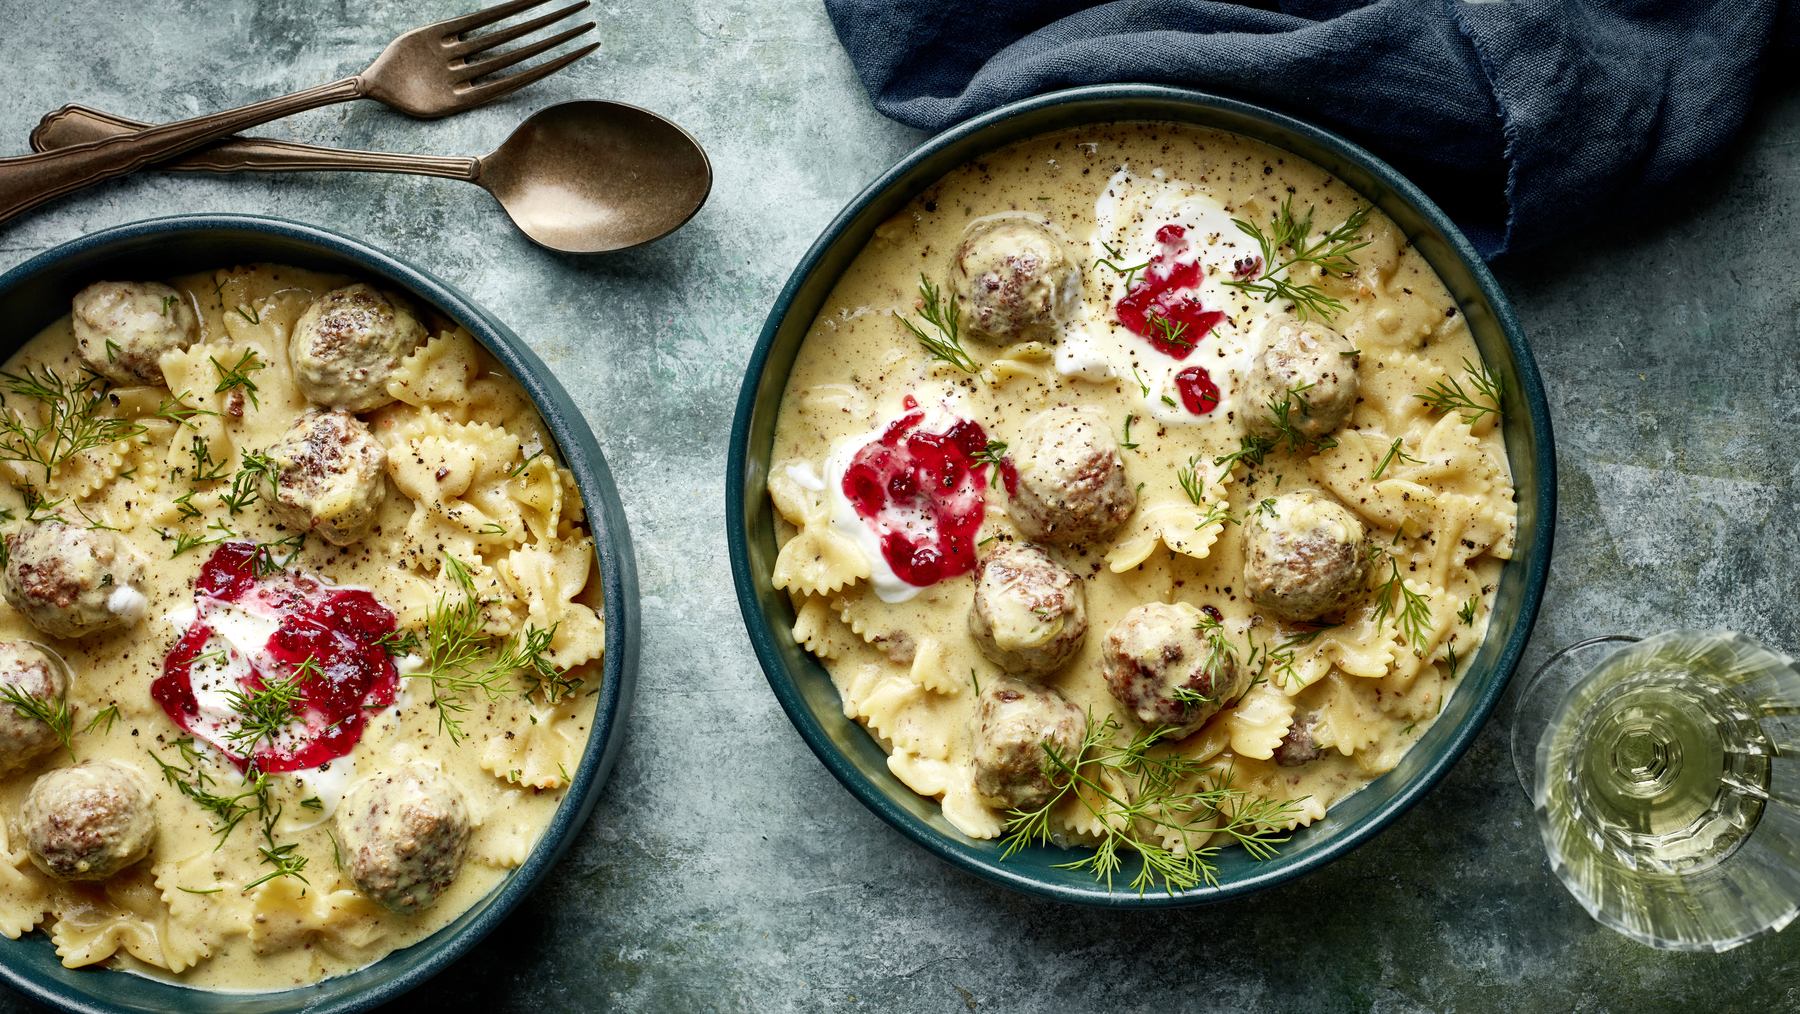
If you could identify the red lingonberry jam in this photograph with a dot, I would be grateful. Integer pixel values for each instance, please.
(1164, 305)
(923, 495)
(337, 630)
(1199, 394)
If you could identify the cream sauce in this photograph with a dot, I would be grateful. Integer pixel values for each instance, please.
(910, 675)
(183, 913)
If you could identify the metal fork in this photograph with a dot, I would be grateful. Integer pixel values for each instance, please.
(426, 73)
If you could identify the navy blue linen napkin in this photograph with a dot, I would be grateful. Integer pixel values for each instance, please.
(1523, 119)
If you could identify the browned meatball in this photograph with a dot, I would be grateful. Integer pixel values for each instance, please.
(1030, 612)
(36, 673)
(1308, 366)
(122, 329)
(1072, 484)
(406, 832)
(1307, 560)
(1298, 746)
(1015, 721)
(1014, 278)
(330, 476)
(348, 343)
(1167, 671)
(71, 581)
(89, 821)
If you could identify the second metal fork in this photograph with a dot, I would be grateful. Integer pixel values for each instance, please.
(426, 72)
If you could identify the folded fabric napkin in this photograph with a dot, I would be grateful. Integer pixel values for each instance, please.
(1523, 119)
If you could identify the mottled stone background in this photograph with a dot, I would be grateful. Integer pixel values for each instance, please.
(724, 869)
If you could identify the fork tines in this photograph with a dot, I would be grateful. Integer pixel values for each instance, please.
(466, 70)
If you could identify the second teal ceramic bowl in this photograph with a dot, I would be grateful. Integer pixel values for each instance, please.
(806, 690)
(36, 293)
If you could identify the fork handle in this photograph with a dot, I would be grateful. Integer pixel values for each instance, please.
(75, 124)
(29, 180)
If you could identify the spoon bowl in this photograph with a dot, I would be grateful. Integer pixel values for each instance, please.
(586, 177)
(579, 177)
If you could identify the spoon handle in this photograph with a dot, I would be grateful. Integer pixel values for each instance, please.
(74, 124)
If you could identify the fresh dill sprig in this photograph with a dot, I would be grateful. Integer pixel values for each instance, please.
(179, 412)
(993, 454)
(252, 316)
(519, 468)
(1218, 648)
(1192, 482)
(1128, 443)
(1448, 395)
(399, 644)
(285, 858)
(1467, 613)
(264, 712)
(1409, 610)
(246, 485)
(69, 418)
(103, 719)
(1394, 451)
(941, 314)
(1450, 650)
(1266, 508)
(1130, 273)
(1252, 449)
(461, 660)
(185, 542)
(1278, 660)
(1169, 331)
(1281, 417)
(1330, 254)
(205, 468)
(1174, 797)
(238, 376)
(191, 780)
(54, 713)
(1140, 381)
(278, 555)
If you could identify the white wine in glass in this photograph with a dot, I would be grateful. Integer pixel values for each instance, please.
(1665, 789)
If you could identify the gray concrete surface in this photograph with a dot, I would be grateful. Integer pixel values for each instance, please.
(724, 869)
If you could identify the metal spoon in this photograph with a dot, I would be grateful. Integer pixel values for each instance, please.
(581, 177)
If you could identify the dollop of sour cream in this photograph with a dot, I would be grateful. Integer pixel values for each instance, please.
(1165, 224)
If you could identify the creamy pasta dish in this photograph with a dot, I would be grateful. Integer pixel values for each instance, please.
(300, 628)
(1140, 488)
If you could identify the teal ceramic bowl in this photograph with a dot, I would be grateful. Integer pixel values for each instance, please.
(35, 293)
(805, 689)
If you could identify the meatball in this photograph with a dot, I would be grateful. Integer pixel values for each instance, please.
(37, 673)
(406, 832)
(89, 821)
(1015, 721)
(1030, 613)
(346, 345)
(71, 581)
(1298, 746)
(330, 476)
(1072, 484)
(1307, 560)
(1168, 672)
(122, 329)
(1312, 368)
(1014, 279)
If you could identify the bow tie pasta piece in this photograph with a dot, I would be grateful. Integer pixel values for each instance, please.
(286, 914)
(546, 582)
(204, 908)
(539, 747)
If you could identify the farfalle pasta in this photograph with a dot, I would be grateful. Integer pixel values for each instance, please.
(302, 616)
(1217, 390)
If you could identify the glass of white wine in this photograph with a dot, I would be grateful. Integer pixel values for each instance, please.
(1665, 780)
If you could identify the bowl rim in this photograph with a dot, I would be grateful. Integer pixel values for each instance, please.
(409, 966)
(768, 651)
